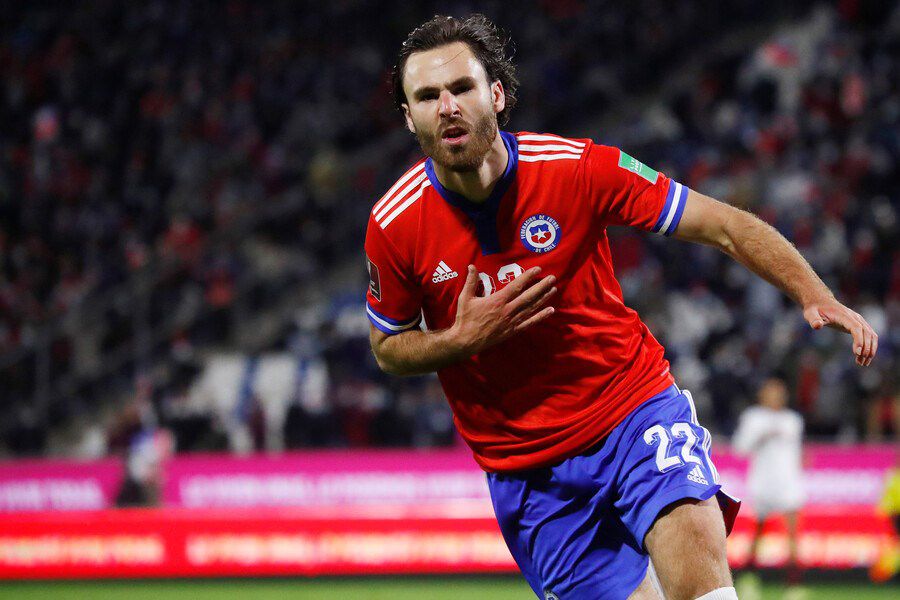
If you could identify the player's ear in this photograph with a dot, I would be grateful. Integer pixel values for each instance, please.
(409, 122)
(498, 95)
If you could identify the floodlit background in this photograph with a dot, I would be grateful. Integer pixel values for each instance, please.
(184, 188)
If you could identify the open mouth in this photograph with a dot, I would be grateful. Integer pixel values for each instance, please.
(454, 135)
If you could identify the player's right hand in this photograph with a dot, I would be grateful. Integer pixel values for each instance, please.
(482, 322)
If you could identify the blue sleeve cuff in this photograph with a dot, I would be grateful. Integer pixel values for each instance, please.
(672, 209)
(388, 325)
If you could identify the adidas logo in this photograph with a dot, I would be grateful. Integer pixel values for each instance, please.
(696, 475)
(443, 273)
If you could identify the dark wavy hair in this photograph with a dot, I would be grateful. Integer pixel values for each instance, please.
(487, 42)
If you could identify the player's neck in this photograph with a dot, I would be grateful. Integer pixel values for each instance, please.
(477, 185)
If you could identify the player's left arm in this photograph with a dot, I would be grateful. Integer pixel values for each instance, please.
(763, 250)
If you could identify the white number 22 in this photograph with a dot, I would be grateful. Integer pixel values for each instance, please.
(658, 434)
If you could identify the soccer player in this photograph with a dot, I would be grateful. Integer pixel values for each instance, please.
(772, 435)
(594, 458)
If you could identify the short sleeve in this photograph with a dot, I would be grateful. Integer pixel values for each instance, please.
(628, 192)
(393, 301)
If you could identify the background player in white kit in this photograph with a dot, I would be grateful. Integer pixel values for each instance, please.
(771, 434)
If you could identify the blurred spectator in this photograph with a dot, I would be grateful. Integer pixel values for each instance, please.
(142, 485)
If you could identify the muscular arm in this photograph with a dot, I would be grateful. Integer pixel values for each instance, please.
(415, 352)
(480, 323)
(763, 250)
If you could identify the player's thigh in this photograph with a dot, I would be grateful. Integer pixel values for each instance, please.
(687, 546)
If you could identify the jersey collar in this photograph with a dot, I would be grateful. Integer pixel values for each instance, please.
(483, 214)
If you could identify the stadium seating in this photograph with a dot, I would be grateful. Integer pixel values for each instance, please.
(173, 206)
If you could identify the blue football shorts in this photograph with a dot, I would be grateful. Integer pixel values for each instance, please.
(577, 529)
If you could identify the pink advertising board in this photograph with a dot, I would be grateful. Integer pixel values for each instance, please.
(41, 485)
(333, 477)
(834, 475)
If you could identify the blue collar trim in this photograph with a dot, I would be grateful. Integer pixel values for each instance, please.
(483, 214)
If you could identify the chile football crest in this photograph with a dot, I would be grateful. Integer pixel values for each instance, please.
(540, 233)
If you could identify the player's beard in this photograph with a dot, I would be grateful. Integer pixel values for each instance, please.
(461, 159)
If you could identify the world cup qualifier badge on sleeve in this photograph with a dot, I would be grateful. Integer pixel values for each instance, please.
(374, 279)
(540, 233)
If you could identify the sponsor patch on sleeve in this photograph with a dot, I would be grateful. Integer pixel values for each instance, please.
(629, 163)
(374, 279)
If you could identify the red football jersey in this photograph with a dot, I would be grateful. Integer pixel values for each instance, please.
(557, 388)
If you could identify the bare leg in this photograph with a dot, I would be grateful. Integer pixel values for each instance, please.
(748, 583)
(793, 567)
(687, 546)
(754, 543)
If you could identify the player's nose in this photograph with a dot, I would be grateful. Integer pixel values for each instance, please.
(448, 105)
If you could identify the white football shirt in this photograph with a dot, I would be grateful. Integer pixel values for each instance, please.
(773, 439)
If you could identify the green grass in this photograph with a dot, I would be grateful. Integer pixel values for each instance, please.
(491, 588)
(319, 589)
(838, 591)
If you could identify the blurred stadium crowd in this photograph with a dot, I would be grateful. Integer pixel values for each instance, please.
(184, 190)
